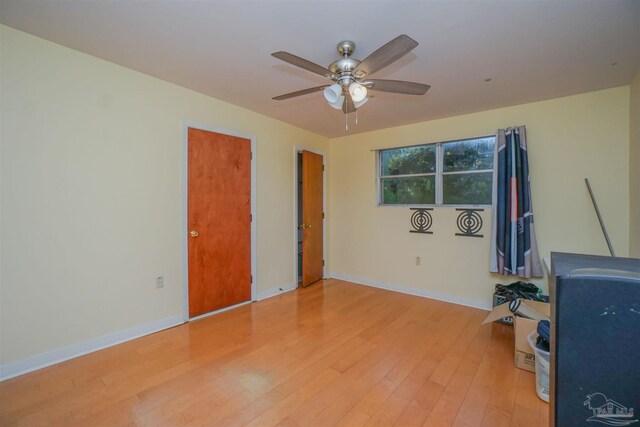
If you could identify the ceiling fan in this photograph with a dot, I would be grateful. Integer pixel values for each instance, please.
(350, 76)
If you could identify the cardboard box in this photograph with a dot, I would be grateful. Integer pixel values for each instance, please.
(499, 300)
(524, 357)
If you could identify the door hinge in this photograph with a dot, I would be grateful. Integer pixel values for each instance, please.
(250, 217)
(251, 155)
(323, 263)
(323, 168)
(322, 215)
(251, 278)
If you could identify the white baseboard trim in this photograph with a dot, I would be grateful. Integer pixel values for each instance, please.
(222, 310)
(483, 305)
(14, 369)
(275, 291)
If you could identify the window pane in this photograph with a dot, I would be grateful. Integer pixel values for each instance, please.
(472, 154)
(419, 190)
(410, 160)
(467, 188)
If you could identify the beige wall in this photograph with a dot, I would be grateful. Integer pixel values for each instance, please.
(634, 168)
(91, 194)
(569, 139)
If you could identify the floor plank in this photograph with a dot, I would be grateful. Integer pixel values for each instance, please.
(335, 353)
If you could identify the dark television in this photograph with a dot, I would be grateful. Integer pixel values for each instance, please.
(595, 334)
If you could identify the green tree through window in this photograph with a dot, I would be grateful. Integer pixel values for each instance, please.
(448, 173)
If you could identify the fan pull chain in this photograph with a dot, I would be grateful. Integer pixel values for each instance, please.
(346, 123)
(356, 117)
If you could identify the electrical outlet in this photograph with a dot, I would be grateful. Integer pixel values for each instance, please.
(418, 260)
(159, 282)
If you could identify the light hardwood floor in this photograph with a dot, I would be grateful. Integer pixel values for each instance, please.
(335, 353)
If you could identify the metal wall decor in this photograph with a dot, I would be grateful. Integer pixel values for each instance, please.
(421, 220)
(469, 222)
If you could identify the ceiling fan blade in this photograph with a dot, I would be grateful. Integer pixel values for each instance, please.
(299, 93)
(302, 63)
(397, 86)
(385, 55)
(348, 106)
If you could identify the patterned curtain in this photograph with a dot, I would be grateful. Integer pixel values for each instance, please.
(513, 242)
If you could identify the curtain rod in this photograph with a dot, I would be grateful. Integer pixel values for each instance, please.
(433, 143)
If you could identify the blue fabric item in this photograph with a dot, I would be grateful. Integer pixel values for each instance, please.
(544, 329)
(544, 335)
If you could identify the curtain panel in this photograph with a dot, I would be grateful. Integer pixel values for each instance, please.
(514, 250)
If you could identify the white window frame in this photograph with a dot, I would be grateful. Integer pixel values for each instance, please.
(438, 175)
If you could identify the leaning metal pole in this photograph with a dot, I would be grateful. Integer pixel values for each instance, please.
(595, 205)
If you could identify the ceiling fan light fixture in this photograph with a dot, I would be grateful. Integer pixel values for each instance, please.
(349, 78)
(360, 103)
(337, 104)
(333, 93)
(357, 91)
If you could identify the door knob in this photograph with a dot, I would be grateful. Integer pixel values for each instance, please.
(193, 233)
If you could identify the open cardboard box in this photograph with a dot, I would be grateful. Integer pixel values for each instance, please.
(524, 356)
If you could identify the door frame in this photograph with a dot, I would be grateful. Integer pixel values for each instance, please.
(184, 187)
(299, 149)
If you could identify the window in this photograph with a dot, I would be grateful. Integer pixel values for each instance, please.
(408, 175)
(442, 174)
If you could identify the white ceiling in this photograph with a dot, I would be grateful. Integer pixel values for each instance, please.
(532, 50)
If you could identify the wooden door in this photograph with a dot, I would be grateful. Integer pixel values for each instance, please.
(218, 220)
(312, 218)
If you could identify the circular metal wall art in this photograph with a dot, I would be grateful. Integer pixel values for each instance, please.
(469, 222)
(421, 220)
